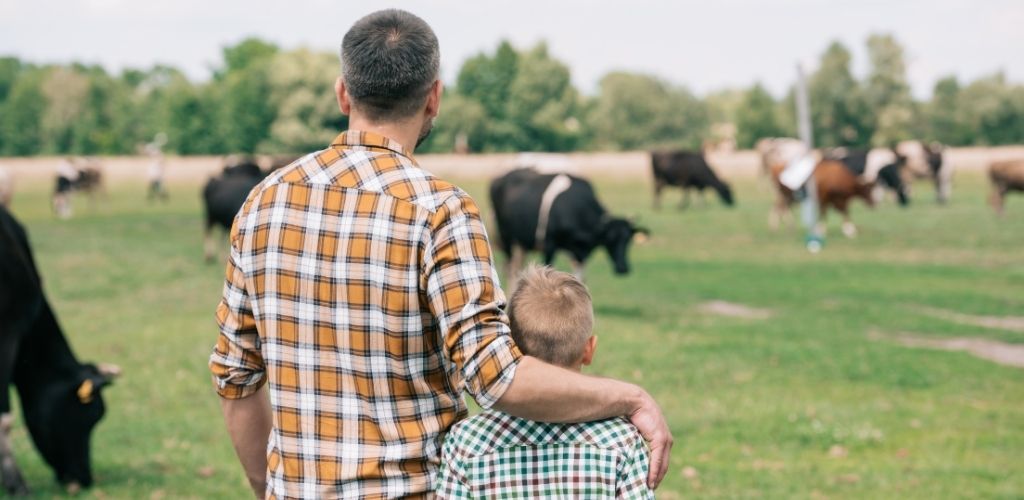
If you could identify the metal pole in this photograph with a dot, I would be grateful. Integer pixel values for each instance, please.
(809, 206)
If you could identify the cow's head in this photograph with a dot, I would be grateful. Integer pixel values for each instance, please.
(725, 192)
(616, 235)
(73, 407)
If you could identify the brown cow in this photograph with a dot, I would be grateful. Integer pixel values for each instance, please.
(836, 185)
(1006, 176)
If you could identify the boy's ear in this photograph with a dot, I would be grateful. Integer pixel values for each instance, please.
(589, 349)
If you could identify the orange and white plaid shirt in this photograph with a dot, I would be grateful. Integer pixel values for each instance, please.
(362, 289)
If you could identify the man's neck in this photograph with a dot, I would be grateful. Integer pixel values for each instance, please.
(406, 133)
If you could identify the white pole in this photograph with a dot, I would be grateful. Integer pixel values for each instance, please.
(809, 206)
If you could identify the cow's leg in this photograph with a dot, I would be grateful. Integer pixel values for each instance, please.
(685, 201)
(209, 247)
(514, 267)
(849, 229)
(10, 475)
(997, 198)
(579, 270)
(659, 185)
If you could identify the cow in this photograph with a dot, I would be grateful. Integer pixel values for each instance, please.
(6, 187)
(1005, 176)
(880, 167)
(836, 184)
(687, 170)
(60, 398)
(224, 195)
(927, 161)
(552, 212)
(71, 178)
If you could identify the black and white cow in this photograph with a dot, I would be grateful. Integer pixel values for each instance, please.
(60, 397)
(881, 166)
(224, 195)
(688, 170)
(928, 161)
(552, 212)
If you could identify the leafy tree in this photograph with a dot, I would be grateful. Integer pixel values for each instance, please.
(635, 111)
(941, 113)
(887, 92)
(838, 110)
(543, 103)
(488, 79)
(757, 116)
(459, 115)
(21, 116)
(244, 92)
(302, 92)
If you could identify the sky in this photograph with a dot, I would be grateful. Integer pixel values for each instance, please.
(704, 45)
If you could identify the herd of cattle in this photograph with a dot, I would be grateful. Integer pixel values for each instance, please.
(533, 211)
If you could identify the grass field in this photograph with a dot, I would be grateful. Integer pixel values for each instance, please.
(811, 397)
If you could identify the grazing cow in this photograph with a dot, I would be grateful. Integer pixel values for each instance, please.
(879, 166)
(6, 188)
(1006, 176)
(836, 185)
(551, 212)
(687, 170)
(928, 161)
(224, 195)
(71, 178)
(60, 397)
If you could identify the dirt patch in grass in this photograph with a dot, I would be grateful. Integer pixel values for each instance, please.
(995, 351)
(734, 310)
(1012, 323)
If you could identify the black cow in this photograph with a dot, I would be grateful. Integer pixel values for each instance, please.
(224, 195)
(60, 397)
(551, 212)
(687, 170)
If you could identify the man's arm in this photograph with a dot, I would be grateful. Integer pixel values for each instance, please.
(239, 374)
(248, 421)
(547, 393)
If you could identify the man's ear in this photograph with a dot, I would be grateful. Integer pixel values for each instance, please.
(341, 92)
(589, 349)
(434, 99)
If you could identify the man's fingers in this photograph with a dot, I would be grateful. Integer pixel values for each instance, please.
(660, 449)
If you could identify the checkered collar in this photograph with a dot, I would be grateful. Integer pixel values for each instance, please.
(359, 138)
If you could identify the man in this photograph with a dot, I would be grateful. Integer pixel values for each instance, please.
(362, 289)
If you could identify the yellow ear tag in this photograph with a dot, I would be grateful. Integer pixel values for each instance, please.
(640, 238)
(85, 392)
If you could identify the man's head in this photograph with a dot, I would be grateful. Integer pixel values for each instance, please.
(390, 64)
(552, 317)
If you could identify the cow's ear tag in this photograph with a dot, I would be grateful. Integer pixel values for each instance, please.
(85, 391)
(640, 238)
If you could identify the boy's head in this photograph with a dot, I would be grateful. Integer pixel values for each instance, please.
(552, 317)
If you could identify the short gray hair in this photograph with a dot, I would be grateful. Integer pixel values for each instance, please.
(390, 59)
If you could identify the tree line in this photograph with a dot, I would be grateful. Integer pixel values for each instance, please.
(262, 99)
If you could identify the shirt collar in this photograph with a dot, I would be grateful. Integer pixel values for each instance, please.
(360, 138)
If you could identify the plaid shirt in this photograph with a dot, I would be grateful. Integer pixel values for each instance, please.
(362, 289)
(496, 455)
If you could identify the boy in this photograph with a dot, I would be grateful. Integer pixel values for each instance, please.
(497, 455)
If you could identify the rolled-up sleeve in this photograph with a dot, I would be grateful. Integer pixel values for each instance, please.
(463, 296)
(236, 363)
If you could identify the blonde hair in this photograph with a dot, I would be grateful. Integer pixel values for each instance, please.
(551, 315)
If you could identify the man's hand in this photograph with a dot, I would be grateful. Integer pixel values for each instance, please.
(649, 420)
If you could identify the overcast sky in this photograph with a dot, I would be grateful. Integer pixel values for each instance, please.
(705, 45)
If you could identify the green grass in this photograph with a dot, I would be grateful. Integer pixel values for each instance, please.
(755, 405)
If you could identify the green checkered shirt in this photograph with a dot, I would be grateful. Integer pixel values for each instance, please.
(495, 455)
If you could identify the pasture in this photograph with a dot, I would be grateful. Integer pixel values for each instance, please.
(783, 374)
